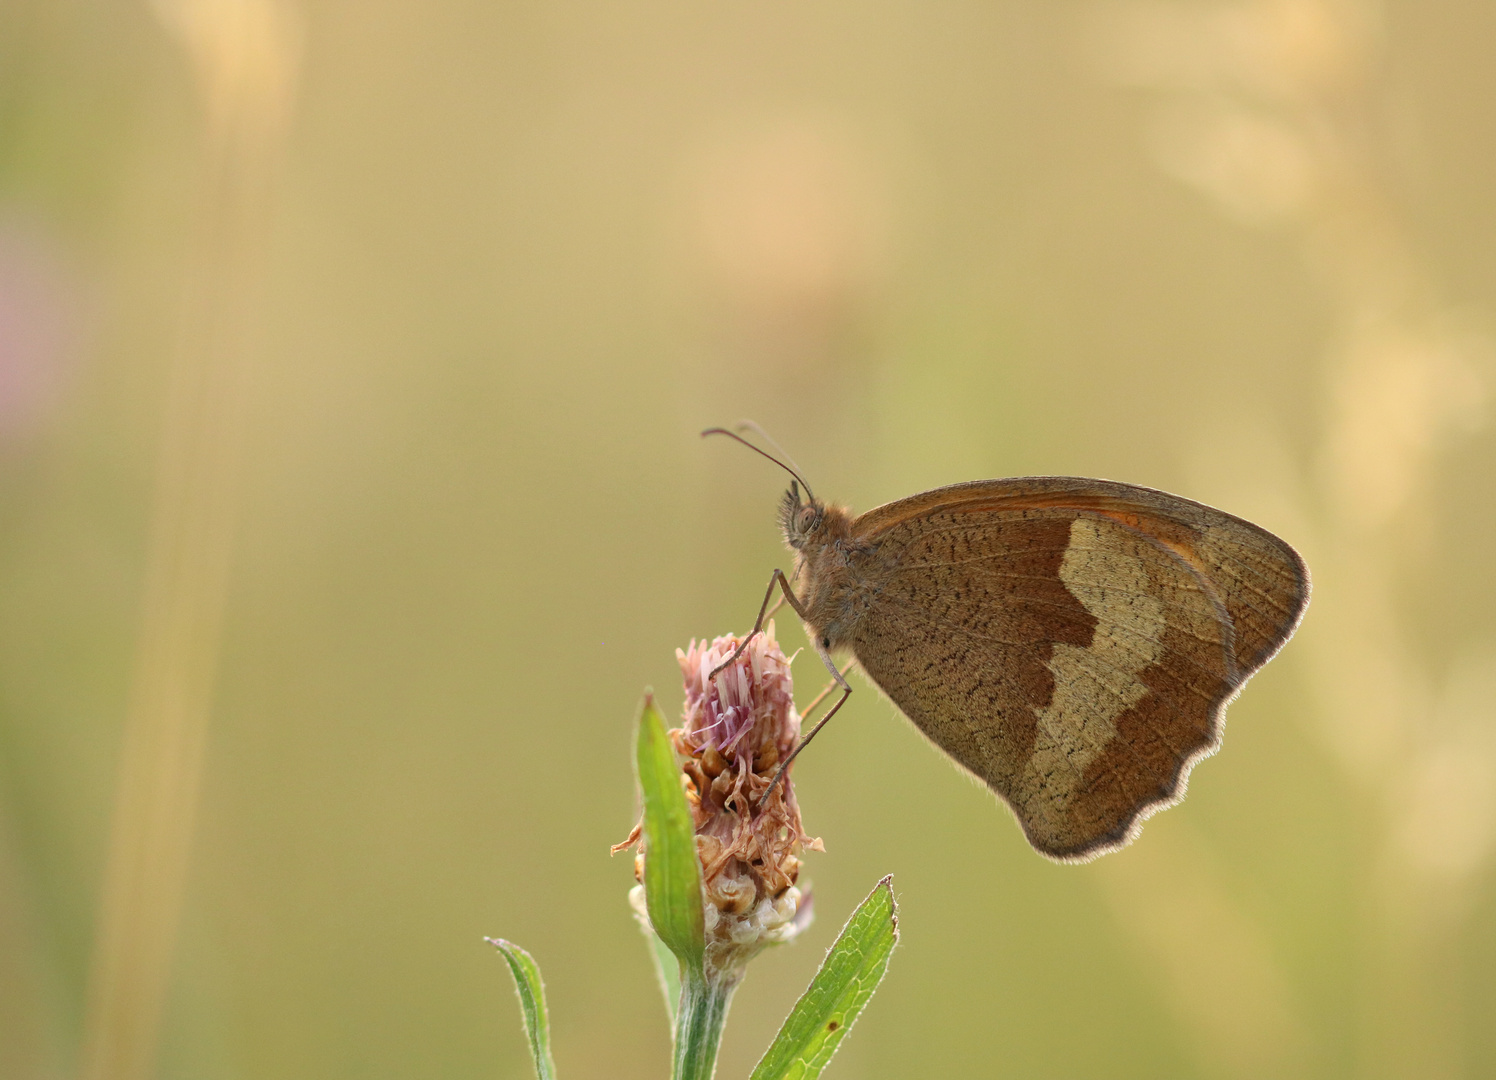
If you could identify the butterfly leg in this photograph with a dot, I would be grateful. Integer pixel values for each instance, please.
(839, 678)
(815, 702)
(846, 693)
(778, 580)
(836, 675)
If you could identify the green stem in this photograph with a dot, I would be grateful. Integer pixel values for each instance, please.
(698, 1025)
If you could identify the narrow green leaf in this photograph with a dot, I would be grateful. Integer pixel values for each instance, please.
(672, 876)
(532, 1004)
(836, 996)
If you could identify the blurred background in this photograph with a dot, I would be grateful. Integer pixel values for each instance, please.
(352, 359)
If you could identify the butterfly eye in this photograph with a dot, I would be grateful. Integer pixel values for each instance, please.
(807, 518)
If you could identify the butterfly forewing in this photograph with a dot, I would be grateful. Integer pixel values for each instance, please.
(1070, 642)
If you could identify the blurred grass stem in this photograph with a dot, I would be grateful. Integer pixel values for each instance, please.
(241, 51)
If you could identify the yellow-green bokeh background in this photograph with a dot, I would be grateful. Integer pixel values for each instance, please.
(505, 260)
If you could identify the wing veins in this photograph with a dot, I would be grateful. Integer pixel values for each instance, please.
(894, 600)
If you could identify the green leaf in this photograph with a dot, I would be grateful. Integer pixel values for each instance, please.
(836, 996)
(672, 875)
(532, 1004)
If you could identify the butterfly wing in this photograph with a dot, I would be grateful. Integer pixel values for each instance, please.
(1071, 642)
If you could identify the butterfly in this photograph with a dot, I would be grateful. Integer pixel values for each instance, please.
(1072, 643)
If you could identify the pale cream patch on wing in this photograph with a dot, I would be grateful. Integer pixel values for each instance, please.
(1094, 684)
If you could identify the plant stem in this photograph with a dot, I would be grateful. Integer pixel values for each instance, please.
(698, 1025)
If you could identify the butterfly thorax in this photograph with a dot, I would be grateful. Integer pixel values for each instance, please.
(826, 558)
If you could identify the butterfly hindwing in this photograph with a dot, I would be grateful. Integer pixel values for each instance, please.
(1071, 642)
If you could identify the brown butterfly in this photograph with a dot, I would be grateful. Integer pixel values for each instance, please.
(1073, 643)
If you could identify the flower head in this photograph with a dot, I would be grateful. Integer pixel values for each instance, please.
(736, 729)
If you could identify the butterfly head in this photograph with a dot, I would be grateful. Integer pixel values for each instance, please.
(801, 520)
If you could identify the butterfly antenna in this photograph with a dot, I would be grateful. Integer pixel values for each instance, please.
(752, 425)
(757, 450)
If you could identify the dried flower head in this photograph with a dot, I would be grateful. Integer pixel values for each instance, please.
(736, 729)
